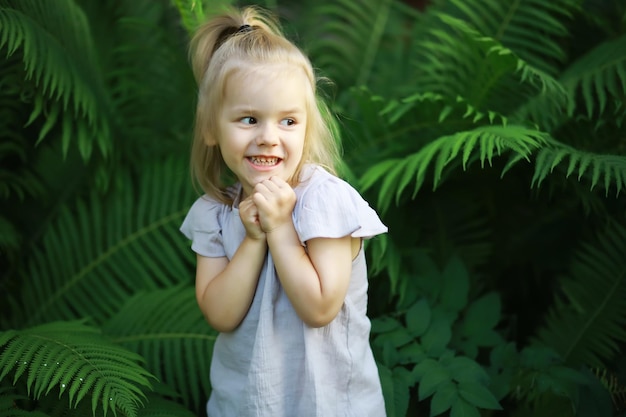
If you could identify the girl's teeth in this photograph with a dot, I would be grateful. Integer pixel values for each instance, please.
(264, 161)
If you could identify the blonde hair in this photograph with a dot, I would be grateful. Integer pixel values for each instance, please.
(223, 45)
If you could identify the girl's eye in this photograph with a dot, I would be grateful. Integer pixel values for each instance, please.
(248, 120)
(287, 122)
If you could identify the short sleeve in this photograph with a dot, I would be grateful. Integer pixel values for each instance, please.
(203, 227)
(331, 208)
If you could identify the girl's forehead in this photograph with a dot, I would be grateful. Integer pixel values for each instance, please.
(267, 72)
(268, 86)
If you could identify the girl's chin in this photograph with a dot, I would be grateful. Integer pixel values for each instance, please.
(248, 186)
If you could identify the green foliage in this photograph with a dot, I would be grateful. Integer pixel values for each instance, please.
(497, 287)
(360, 25)
(98, 244)
(532, 27)
(162, 324)
(39, 32)
(74, 357)
(418, 347)
(607, 171)
(587, 323)
(598, 77)
(545, 385)
(482, 143)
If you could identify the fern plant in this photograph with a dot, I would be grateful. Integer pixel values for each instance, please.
(416, 345)
(511, 111)
(72, 357)
(65, 93)
(73, 76)
(166, 328)
(500, 94)
(141, 311)
(79, 77)
(587, 322)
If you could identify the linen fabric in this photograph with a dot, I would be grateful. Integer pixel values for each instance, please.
(274, 365)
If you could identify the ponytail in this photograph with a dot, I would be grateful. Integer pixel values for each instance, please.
(215, 32)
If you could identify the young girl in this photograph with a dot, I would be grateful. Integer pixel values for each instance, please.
(281, 271)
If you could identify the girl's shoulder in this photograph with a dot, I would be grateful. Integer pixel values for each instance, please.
(206, 213)
(206, 202)
(328, 206)
(313, 177)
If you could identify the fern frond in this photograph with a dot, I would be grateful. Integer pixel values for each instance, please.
(59, 58)
(457, 59)
(423, 116)
(587, 324)
(531, 28)
(167, 328)
(599, 76)
(605, 170)
(482, 143)
(78, 360)
(347, 37)
(112, 247)
(140, 76)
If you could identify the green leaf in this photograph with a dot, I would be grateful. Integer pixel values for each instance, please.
(462, 408)
(397, 337)
(443, 399)
(384, 324)
(466, 370)
(395, 388)
(402, 383)
(390, 355)
(77, 359)
(478, 395)
(598, 74)
(411, 353)
(437, 337)
(482, 314)
(418, 317)
(430, 374)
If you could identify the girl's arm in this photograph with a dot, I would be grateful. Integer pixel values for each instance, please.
(224, 290)
(316, 281)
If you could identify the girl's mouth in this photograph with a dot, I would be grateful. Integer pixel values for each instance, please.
(264, 160)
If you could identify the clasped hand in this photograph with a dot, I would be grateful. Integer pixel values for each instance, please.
(269, 207)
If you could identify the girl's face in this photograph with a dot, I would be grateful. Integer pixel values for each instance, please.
(262, 123)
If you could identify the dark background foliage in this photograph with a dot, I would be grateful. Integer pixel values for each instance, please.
(488, 134)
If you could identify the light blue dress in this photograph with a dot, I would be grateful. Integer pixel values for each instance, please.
(274, 365)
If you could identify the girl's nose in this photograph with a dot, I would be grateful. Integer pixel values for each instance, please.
(268, 135)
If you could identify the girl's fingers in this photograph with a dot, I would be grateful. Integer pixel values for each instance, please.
(274, 199)
(272, 185)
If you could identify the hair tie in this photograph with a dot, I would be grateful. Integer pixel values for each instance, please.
(228, 32)
(244, 29)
